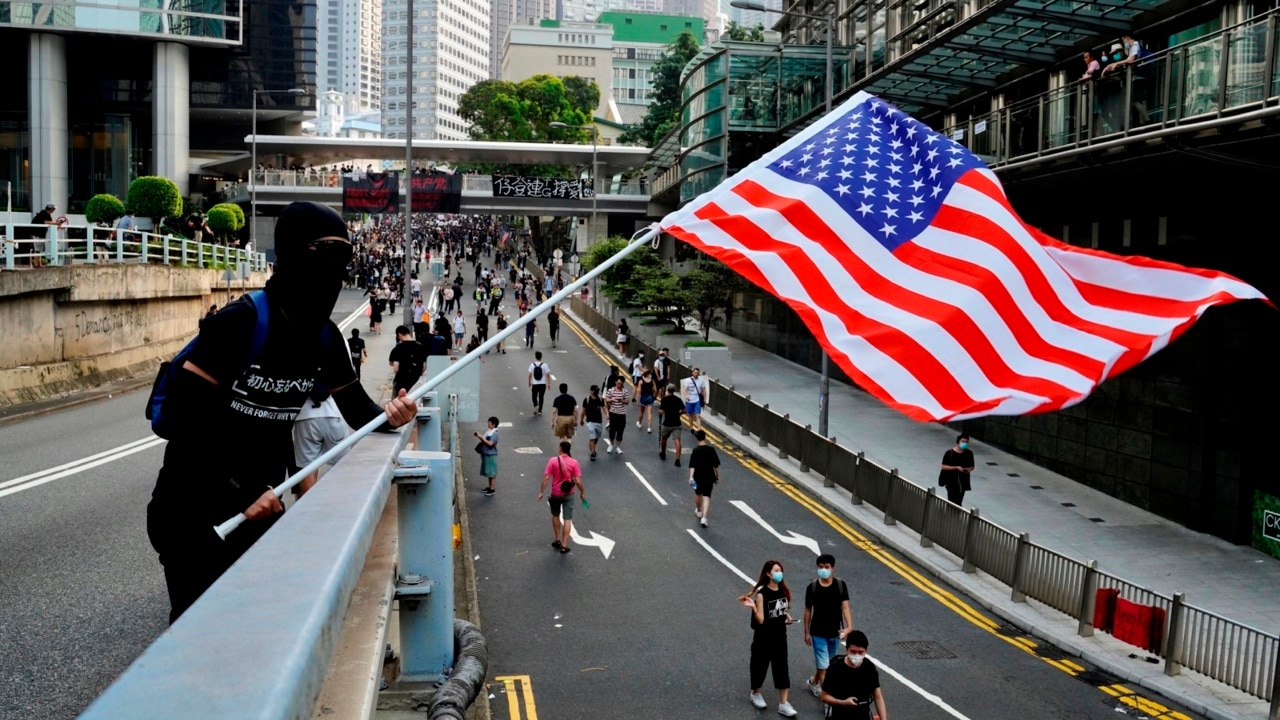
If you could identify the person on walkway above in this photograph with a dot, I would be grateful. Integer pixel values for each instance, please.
(853, 683)
(957, 465)
(564, 474)
(827, 618)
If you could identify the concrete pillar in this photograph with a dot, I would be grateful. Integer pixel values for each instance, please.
(171, 114)
(50, 139)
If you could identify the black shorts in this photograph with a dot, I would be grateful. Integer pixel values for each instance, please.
(704, 487)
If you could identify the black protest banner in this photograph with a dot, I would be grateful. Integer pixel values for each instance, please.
(539, 187)
(436, 192)
(375, 193)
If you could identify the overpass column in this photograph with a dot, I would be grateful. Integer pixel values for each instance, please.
(50, 138)
(171, 113)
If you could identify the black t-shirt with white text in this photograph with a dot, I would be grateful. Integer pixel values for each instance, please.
(256, 406)
(843, 682)
(776, 607)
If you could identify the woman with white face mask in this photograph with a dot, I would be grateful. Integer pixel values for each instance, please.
(852, 683)
(770, 604)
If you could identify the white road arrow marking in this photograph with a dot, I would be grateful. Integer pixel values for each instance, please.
(597, 540)
(794, 539)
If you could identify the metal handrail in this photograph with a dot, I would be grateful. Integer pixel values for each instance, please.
(470, 182)
(1230, 652)
(1196, 81)
(66, 244)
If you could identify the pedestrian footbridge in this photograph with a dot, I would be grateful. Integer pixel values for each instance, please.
(275, 189)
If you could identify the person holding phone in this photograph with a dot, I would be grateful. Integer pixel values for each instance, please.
(770, 604)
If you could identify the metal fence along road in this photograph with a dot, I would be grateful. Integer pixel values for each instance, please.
(1240, 656)
(67, 244)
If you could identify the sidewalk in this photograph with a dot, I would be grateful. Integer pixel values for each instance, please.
(1230, 580)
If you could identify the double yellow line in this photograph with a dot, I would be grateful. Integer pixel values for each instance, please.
(928, 587)
(518, 688)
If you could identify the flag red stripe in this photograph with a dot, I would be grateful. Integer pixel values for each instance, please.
(747, 269)
(949, 318)
(918, 360)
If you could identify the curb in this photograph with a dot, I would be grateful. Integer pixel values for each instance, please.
(82, 397)
(987, 594)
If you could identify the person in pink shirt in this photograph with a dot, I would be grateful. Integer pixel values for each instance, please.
(564, 474)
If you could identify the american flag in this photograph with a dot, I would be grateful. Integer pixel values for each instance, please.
(899, 251)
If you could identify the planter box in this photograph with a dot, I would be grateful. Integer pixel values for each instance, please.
(715, 362)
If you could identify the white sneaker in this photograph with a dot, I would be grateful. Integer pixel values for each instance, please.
(758, 700)
(785, 710)
(609, 450)
(697, 512)
(619, 451)
(704, 522)
(814, 687)
(637, 423)
(650, 431)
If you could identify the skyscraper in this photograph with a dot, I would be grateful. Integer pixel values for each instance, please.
(349, 51)
(451, 53)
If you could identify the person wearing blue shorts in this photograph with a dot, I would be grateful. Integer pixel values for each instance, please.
(695, 396)
(827, 618)
(647, 389)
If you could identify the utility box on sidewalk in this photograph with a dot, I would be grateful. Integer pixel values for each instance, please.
(715, 362)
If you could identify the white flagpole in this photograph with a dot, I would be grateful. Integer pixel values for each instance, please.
(648, 235)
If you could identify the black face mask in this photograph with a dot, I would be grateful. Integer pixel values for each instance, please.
(306, 287)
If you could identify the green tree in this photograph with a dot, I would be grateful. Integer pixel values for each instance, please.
(664, 111)
(225, 218)
(103, 208)
(709, 291)
(154, 197)
(583, 94)
(742, 33)
(522, 112)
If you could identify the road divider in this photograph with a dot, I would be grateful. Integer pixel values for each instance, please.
(34, 480)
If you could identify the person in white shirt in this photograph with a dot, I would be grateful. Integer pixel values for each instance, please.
(539, 376)
(695, 396)
(317, 428)
(459, 330)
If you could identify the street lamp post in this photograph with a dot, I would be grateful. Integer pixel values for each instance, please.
(595, 136)
(824, 385)
(253, 162)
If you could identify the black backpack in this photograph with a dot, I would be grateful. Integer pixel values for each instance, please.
(537, 371)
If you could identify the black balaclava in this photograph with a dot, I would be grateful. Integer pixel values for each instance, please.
(306, 282)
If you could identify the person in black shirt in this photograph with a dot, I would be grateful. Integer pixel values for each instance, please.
(356, 347)
(704, 473)
(251, 403)
(408, 359)
(553, 325)
(592, 417)
(566, 413)
(853, 683)
(770, 603)
(669, 412)
(957, 466)
(482, 327)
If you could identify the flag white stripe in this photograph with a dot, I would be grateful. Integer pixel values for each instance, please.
(1163, 283)
(960, 295)
(946, 348)
(974, 201)
(882, 369)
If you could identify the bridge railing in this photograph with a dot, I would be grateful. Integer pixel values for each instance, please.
(1230, 652)
(259, 642)
(470, 183)
(26, 245)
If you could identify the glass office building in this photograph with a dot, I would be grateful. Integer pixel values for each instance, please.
(1170, 157)
(108, 93)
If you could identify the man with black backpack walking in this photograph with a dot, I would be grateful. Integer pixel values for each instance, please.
(247, 374)
(827, 618)
(539, 374)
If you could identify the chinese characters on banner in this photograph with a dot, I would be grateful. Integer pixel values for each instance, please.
(540, 187)
(436, 193)
(374, 193)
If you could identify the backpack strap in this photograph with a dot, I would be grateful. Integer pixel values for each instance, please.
(259, 338)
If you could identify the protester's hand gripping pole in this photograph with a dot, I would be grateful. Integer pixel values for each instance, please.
(649, 234)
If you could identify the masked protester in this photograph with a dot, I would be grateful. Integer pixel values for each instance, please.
(251, 403)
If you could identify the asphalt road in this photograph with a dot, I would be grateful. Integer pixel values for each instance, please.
(651, 631)
(81, 591)
(655, 630)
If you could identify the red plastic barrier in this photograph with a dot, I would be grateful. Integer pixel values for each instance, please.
(1132, 623)
(1104, 609)
(1155, 628)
